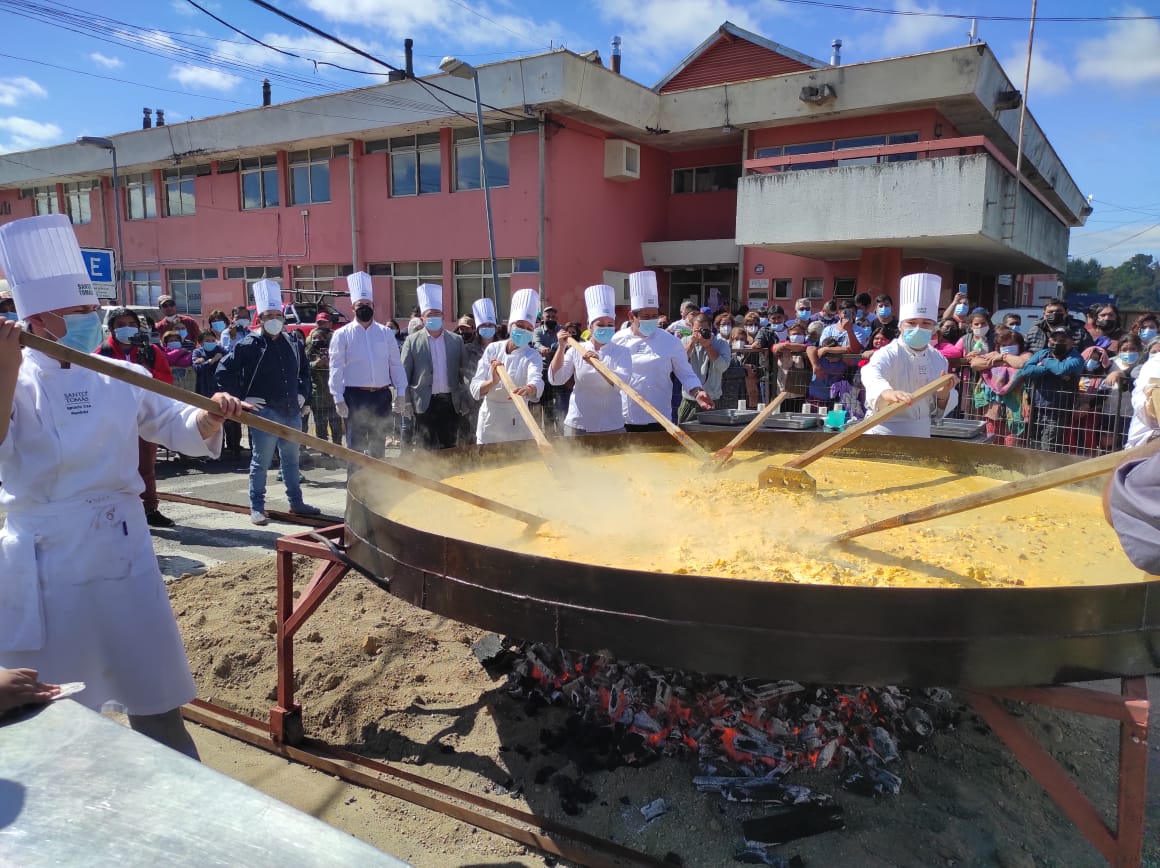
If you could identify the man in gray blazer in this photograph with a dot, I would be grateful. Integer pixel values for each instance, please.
(433, 359)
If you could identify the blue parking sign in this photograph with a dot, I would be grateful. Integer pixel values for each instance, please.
(102, 271)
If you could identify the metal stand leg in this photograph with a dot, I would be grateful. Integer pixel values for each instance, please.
(286, 716)
(1122, 848)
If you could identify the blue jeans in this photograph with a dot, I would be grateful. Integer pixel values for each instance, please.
(262, 445)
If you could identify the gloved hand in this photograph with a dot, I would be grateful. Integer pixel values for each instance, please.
(257, 403)
(301, 400)
(342, 410)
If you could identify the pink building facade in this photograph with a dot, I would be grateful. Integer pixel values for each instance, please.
(593, 176)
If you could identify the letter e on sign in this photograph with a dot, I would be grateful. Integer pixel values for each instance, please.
(98, 265)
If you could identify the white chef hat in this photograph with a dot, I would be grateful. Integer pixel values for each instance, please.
(918, 296)
(267, 296)
(42, 260)
(484, 311)
(360, 287)
(430, 297)
(600, 301)
(642, 290)
(525, 306)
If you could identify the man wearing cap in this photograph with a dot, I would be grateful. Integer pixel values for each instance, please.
(433, 362)
(269, 370)
(595, 406)
(909, 363)
(81, 596)
(499, 421)
(364, 365)
(327, 422)
(186, 326)
(656, 355)
(683, 327)
(1054, 372)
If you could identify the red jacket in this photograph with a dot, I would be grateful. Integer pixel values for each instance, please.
(150, 357)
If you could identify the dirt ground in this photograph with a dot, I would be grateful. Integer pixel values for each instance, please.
(388, 681)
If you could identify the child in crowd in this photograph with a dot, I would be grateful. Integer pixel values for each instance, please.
(997, 392)
(205, 359)
(180, 359)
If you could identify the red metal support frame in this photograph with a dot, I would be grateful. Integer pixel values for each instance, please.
(291, 614)
(1123, 847)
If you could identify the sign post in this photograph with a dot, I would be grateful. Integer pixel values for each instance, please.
(100, 264)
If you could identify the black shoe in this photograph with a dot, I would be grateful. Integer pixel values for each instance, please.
(156, 519)
(305, 509)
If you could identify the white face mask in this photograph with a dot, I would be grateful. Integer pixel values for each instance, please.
(979, 331)
(273, 326)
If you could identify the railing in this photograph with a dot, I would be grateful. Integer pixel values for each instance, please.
(961, 146)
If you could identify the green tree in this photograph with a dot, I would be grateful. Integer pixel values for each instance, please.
(1135, 283)
(1083, 275)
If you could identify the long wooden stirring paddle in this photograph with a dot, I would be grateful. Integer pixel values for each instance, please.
(143, 381)
(547, 450)
(725, 454)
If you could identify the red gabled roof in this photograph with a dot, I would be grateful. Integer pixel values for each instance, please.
(732, 54)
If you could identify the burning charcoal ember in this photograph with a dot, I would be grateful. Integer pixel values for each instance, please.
(654, 810)
(883, 744)
(826, 755)
(791, 823)
(868, 779)
(641, 720)
(767, 856)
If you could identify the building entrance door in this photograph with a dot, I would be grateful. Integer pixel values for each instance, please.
(718, 295)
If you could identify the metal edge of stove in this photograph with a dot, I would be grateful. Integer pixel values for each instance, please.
(969, 637)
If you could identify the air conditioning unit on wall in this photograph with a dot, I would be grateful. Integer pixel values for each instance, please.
(621, 160)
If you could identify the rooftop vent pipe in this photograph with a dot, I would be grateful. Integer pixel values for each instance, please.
(836, 57)
(160, 117)
(265, 91)
(147, 120)
(408, 51)
(616, 54)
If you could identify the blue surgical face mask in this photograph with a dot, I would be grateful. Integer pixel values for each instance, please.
(916, 339)
(487, 332)
(1018, 329)
(209, 346)
(123, 333)
(173, 345)
(1147, 334)
(603, 334)
(960, 310)
(885, 310)
(764, 322)
(218, 326)
(1092, 364)
(433, 323)
(9, 315)
(647, 326)
(803, 314)
(1010, 350)
(862, 333)
(520, 337)
(1129, 358)
(184, 334)
(82, 331)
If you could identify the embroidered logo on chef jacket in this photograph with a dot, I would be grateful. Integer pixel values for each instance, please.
(78, 403)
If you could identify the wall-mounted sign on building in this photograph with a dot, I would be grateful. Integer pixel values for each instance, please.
(759, 283)
(759, 268)
(101, 267)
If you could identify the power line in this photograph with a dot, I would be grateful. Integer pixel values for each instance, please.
(1122, 240)
(1061, 19)
(497, 23)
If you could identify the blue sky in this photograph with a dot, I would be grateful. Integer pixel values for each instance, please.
(87, 67)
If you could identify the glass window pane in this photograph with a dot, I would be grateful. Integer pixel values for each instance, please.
(861, 142)
(771, 151)
(497, 163)
(252, 190)
(467, 167)
(320, 182)
(809, 148)
(683, 181)
(406, 292)
(299, 185)
(430, 172)
(403, 173)
(406, 269)
(150, 200)
(271, 193)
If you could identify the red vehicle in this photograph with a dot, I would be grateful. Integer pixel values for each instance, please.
(300, 315)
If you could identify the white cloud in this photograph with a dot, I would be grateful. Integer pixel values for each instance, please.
(152, 39)
(23, 134)
(1128, 53)
(105, 61)
(1047, 76)
(13, 90)
(308, 46)
(916, 32)
(203, 77)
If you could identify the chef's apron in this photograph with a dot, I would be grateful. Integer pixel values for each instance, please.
(81, 595)
(499, 420)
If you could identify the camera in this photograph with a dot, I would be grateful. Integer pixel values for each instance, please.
(141, 339)
(705, 333)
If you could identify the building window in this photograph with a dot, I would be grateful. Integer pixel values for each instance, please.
(140, 196)
(260, 182)
(813, 287)
(496, 139)
(844, 287)
(310, 174)
(78, 201)
(416, 163)
(783, 288)
(525, 266)
(318, 280)
(473, 281)
(706, 179)
(179, 190)
(43, 199)
(838, 145)
(252, 273)
(144, 287)
(406, 277)
(185, 287)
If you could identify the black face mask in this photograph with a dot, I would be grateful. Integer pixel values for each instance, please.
(1060, 350)
(364, 313)
(1057, 317)
(1106, 324)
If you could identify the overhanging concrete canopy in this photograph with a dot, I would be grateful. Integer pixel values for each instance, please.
(709, 251)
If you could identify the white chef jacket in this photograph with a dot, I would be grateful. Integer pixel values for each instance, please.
(499, 420)
(1142, 425)
(81, 596)
(595, 403)
(365, 357)
(897, 366)
(653, 359)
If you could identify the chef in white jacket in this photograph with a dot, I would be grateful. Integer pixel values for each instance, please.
(1144, 423)
(655, 355)
(595, 406)
(499, 421)
(909, 362)
(81, 597)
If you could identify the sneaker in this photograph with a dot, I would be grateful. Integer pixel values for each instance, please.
(305, 509)
(156, 519)
(258, 518)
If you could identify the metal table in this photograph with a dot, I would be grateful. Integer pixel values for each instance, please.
(79, 789)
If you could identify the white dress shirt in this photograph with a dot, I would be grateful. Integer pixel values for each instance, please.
(440, 385)
(653, 359)
(595, 404)
(365, 357)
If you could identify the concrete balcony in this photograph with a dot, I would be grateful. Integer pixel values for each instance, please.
(963, 209)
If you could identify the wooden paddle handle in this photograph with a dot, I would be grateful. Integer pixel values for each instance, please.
(855, 431)
(296, 435)
(694, 448)
(1032, 484)
(522, 408)
(726, 452)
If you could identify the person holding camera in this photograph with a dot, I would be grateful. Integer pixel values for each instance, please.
(128, 342)
(709, 356)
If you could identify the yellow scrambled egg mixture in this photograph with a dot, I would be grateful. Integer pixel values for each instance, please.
(662, 512)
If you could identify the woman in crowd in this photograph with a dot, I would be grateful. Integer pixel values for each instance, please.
(1107, 329)
(595, 406)
(996, 391)
(946, 339)
(794, 371)
(219, 324)
(1147, 328)
(829, 368)
(499, 421)
(979, 339)
(723, 327)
